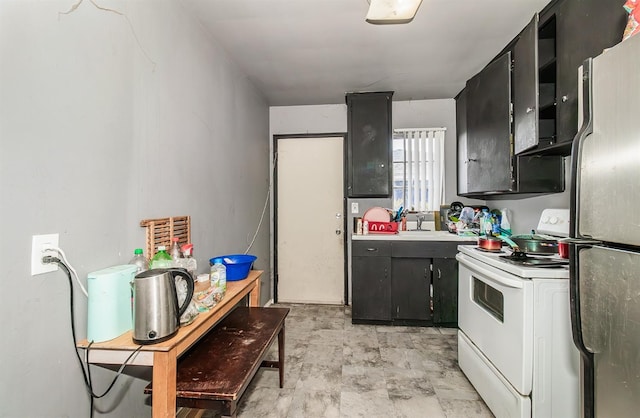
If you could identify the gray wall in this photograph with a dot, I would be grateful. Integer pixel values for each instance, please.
(105, 121)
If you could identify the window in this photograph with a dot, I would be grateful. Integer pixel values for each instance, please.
(418, 168)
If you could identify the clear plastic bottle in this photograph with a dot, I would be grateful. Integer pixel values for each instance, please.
(161, 260)
(175, 251)
(219, 276)
(505, 225)
(188, 262)
(139, 260)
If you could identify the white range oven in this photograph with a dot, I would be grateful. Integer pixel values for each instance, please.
(515, 344)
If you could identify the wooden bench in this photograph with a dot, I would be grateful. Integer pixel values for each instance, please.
(215, 372)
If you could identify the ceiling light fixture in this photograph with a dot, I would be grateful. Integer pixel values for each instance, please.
(391, 12)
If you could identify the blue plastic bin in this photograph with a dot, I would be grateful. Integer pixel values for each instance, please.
(238, 265)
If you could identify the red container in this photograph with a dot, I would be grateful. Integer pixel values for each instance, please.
(383, 227)
(563, 248)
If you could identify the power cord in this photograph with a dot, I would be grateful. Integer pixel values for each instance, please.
(64, 258)
(86, 374)
(264, 209)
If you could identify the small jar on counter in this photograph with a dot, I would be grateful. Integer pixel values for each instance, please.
(357, 226)
(203, 294)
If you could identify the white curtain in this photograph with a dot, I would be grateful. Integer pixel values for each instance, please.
(424, 172)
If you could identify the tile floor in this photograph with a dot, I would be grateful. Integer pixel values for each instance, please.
(336, 369)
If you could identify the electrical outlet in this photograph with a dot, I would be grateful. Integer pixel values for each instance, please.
(355, 208)
(38, 245)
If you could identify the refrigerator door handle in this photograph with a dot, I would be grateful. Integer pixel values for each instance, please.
(576, 151)
(587, 372)
(574, 293)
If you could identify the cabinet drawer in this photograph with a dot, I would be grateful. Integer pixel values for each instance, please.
(371, 248)
(425, 249)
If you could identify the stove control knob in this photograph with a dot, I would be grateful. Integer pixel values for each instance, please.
(545, 220)
(553, 220)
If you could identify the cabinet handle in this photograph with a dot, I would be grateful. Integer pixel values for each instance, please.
(565, 98)
(372, 249)
(439, 274)
(530, 109)
(338, 232)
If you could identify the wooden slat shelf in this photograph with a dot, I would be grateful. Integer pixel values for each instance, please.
(160, 231)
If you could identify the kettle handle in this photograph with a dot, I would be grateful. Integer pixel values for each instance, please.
(190, 288)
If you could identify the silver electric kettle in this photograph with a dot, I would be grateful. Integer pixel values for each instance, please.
(156, 314)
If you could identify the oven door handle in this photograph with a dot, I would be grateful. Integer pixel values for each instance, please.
(498, 279)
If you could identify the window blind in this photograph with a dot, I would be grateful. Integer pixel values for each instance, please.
(424, 173)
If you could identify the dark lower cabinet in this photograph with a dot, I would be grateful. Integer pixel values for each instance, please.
(405, 282)
(371, 281)
(410, 288)
(445, 291)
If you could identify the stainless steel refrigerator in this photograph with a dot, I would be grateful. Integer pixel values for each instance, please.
(605, 227)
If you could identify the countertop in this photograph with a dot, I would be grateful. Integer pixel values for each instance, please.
(413, 236)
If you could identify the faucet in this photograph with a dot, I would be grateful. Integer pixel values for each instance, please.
(420, 218)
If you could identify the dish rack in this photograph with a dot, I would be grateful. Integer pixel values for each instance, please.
(383, 227)
(160, 231)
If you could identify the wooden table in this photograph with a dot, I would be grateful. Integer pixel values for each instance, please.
(163, 356)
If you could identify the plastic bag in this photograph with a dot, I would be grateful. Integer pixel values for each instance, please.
(467, 214)
(192, 310)
(633, 23)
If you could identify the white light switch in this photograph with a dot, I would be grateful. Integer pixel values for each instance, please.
(355, 208)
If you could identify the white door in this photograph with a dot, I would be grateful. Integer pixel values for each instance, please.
(309, 210)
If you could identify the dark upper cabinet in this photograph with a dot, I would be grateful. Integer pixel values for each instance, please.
(369, 143)
(525, 87)
(487, 165)
(461, 149)
(546, 63)
(584, 28)
(488, 147)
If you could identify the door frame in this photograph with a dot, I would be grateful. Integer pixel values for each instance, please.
(274, 222)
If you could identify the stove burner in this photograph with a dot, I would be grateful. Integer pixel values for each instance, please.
(520, 258)
(485, 250)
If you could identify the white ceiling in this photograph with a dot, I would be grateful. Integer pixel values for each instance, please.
(300, 52)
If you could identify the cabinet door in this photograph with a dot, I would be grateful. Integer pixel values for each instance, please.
(525, 88)
(461, 143)
(371, 281)
(445, 291)
(584, 29)
(489, 165)
(369, 142)
(410, 288)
